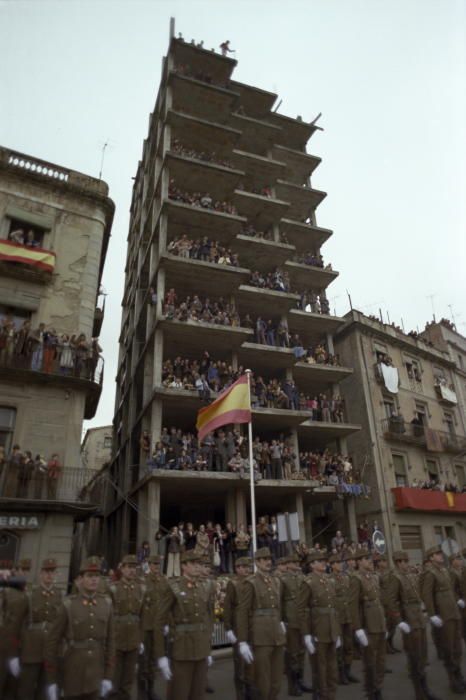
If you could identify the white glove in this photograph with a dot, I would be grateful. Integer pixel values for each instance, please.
(210, 661)
(460, 603)
(164, 665)
(404, 627)
(308, 644)
(386, 634)
(283, 627)
(52, 691)
(338, 643)
(436, 621)
(166, 630)
(14, 666)
(361, 636)
(246, 653)
(141, 648)
(105, 687)
(231, 636)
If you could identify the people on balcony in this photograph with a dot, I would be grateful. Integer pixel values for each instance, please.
(278, 280)
(208, 157)
(22, 476)
(198, 199)
(204, 249)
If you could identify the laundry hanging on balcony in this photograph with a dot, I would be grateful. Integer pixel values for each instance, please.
(36, 257)
(390, 377)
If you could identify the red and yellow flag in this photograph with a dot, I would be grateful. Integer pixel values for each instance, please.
(232, 406)
(450, 498)
(37, 257)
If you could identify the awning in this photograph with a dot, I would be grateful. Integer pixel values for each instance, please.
(426, 500)
(36, 257)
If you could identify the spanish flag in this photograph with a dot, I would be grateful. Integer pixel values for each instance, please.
(37, 257)
(232, 406)
(450, 498)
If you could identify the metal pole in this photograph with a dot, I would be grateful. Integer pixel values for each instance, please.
(251, 474)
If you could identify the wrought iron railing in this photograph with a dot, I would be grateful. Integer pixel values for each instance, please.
(395, 428)
(38, 481)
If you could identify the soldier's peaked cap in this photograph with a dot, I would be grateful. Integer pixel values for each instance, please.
(190, 555)
(433, 550)
(400, 555)
(317, 555)
(90, 565)
(49, 564)
(24, 564)
(263, 553)
(361, 554)
(129, 560)
(243, 561)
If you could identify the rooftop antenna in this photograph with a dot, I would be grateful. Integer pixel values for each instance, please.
(172, 28)
(380, 314)
(278, 106)
(104, 148)
(403, 325)
(431, 297)
(450, 306)
(349, 299)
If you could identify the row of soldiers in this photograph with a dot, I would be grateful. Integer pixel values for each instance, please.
(90, 644)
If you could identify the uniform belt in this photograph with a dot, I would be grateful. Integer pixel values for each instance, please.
(84, 643)
(127, 618)
(265, 611)
(191, 627)
(38, 625)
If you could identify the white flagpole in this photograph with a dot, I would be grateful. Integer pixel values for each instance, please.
(251, 473)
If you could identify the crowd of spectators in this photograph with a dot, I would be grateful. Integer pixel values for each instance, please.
(314, 303)
(266, 235)
(436, 485)
(190, 72)
(193, 309)
(22, 237)
(278, 280)
(199, 199)
(265, 191)
(25, 476)
(312, 259)
(205, 249)
(207, 157)
(42, 349)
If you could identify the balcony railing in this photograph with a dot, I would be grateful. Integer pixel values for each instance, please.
(397, 429)
(39, 483)
(70, 368)
(17, 260)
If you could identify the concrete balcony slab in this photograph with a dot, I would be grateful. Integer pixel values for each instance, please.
(260, 210)
(203, 222)
(259, 170)
(316, 377)
(218, 180)
(303, 200)
(255, 101)
(260, 254)
(258, 302)
(303, 236)
(202, 60)
(257, 135)
(201, 99)
(315, 434)
(197, 132)
(199, 277)
(207, 335)
(313, 327)
(299, 165)
(309, 277)
(295, 133)
(265, 357)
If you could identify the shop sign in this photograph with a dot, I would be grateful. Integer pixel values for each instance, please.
(20, 521)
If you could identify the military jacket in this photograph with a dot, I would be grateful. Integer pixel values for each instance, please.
(438, 594)
(13, 605)
(366, 606)
(85, 625)
(152, 585)
(260, 611)
(317, 610)
(291, 583)
(230, 605)
(128, 600)
(384, 583)
(342, 591)
(186, 605)
(42, 609)
(404, 599)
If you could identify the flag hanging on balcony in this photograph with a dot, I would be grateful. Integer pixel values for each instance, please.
(37, 257)
(232, 406)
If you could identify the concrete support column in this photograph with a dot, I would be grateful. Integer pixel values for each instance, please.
(156, 421)
(308, 525)
(295, 445)
(149, 511)
(276, 231)
(350, 516)
(230, 507)
(330, 346)
(158, 358)
(241, 509)
(160, 290)
(300, 511)
(165, 178)
(234, 360)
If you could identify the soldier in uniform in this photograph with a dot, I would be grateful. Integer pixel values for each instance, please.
(152, 582)
(84, 624)
(128, 599)
(463, 591)
(458, 578)
(205, 577)
(342, 590)
(384, 572)
(441, 605)
(261, 630)
(281, 566)
(184, 603)
(294, 653)
(368, 620)
(232, 595)
(43, 602)
(405, 605)
(319, 625)
(13, 603)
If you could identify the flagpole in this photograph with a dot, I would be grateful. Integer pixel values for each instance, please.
(251, 473)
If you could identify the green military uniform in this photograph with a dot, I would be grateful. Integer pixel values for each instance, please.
(13, 603)
(259, 617)
(294, 654)
(84, 625)
(232, 595)
(390, 621)
(128, 600)
(186, 605)
(458, 579)
(345, 652)
(463, 592)
(152, 584)
(317, 613)
(42, 609)
(367, 613)
(439, 598)
(405, 605)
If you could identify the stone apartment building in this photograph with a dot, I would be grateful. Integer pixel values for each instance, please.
(247, 175)
(407, 392)
(54, 231)
(96, 449)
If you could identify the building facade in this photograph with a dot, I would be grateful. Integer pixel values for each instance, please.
(96, 449)
(406, 394)
(54, 230)
(220, 170)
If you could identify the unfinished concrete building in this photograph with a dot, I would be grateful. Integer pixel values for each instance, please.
(220, 166)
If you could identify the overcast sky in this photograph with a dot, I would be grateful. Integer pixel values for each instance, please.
(388, 76)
